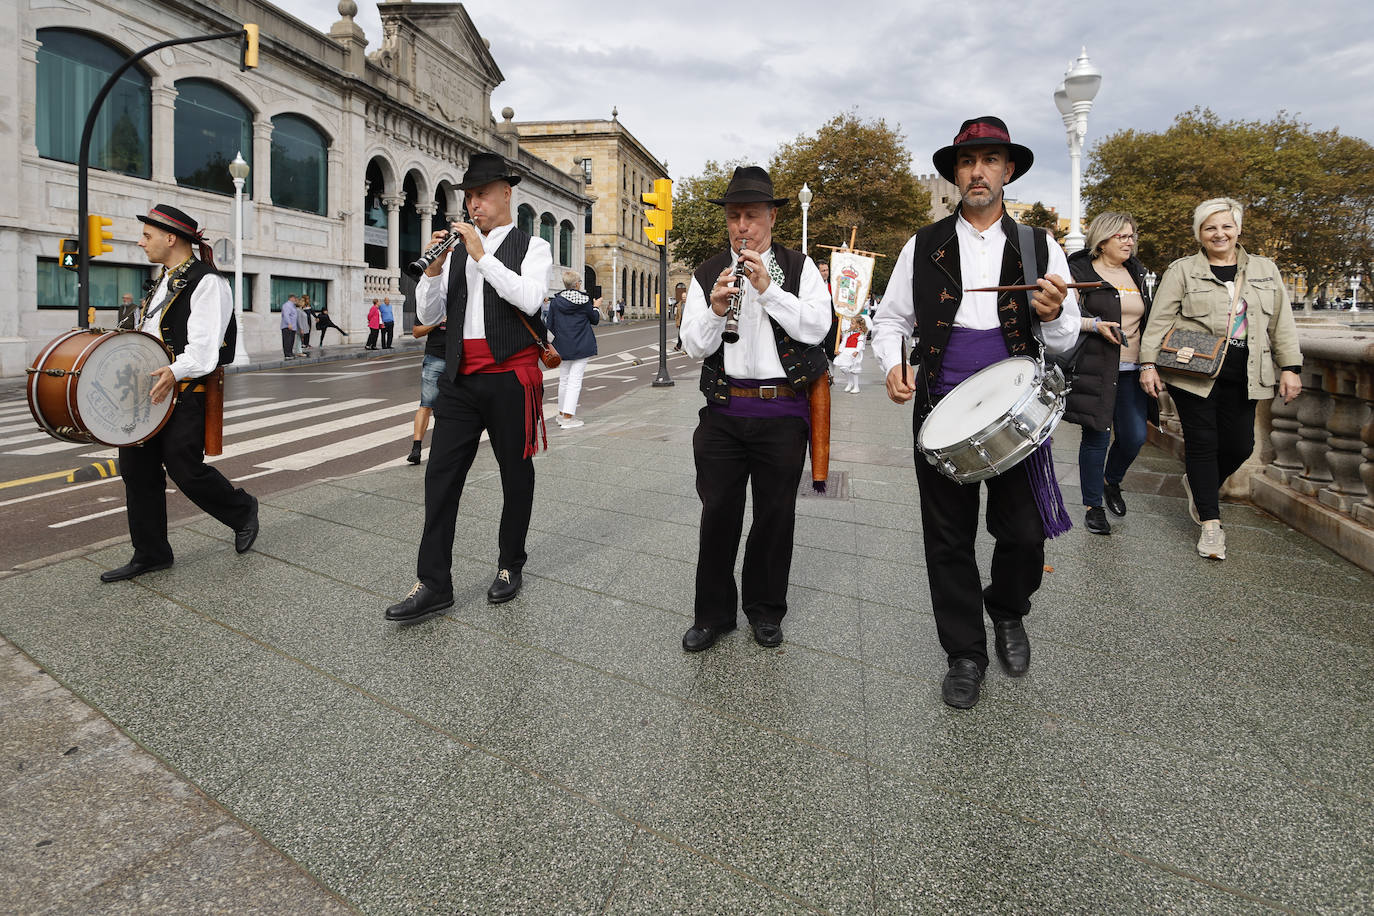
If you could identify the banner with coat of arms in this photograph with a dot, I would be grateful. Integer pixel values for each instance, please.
(851, 275)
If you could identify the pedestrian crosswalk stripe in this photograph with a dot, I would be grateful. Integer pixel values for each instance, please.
(300, 461)
(270, 405)
(276, 440)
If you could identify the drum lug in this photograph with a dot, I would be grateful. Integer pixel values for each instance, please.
(1021, 426)
(948, 469)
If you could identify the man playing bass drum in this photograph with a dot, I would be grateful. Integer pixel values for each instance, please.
(191, 310)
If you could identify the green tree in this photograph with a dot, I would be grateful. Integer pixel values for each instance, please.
(860, 175)
(1043, 217)
(1307, 194)
(699, 226)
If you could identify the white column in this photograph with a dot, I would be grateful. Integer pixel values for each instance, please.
(393, 232)
(262, 161)
(164, 99)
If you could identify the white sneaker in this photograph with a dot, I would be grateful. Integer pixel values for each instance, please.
(571, 423)
(1212, 542)
(1192, 505)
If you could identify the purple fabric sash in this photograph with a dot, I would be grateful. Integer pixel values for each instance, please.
(970, 350)
(754, 408)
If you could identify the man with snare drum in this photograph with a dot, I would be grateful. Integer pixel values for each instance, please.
(192, 312)
(961, 332)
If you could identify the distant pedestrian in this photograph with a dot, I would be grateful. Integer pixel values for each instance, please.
(303, 322)
(289, 322)
(388, 324)
(126, 310)
(571, 316)
(323, 323)
(436, 340)
(374, 325)
(849, 358)
(620, 310)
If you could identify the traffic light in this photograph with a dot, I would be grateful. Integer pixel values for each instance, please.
(96, 235)
(660, 218)
(67, 252)
(249, 58)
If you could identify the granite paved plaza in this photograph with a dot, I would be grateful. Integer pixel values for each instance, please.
(1193, 737)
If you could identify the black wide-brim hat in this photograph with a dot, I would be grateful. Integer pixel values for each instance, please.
(984, 131)
(750, 185)
(484, 168)
(174, 221)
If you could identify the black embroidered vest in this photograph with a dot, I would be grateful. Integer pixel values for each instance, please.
(937, 289)
(506, 333)
(791, 353)
(175, 316)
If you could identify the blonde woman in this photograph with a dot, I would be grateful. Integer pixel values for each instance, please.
(1226, 291)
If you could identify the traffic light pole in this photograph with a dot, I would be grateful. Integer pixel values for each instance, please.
(663, 380)
(83, 262)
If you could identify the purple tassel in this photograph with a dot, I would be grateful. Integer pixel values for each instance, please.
(1054, 515)
(818, 486)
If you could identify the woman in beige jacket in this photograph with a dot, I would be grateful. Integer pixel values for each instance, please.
(1218, 415)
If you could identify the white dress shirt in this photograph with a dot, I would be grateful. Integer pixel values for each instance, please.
(980, 265)
(525, 290)
(805, 317)
(212, 305)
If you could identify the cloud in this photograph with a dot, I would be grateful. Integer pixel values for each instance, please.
(718, 80)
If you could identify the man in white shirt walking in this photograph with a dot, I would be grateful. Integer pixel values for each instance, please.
(192, 312)
(756, 425)
(488, 289)
(959, 333)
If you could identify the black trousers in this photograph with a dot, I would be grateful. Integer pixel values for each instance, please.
(494, 402)
(768, 455)
(180, 448)
(388, 329)
(949, 523)
(288, 341)
(372, 337)
(1218, 431)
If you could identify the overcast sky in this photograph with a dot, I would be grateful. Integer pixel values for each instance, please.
(714, 80)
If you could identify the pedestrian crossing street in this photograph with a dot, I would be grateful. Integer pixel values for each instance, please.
(319, 434)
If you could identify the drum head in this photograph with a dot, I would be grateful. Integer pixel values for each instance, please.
(978, 402)
(112, 393)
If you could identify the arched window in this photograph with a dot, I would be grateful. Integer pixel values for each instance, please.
(547, 225)
(524, 219)
(72, 66)
(212, 126)
(565, 243)
(300, 165)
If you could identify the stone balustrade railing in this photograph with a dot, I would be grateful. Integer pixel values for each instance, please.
(1313, 465)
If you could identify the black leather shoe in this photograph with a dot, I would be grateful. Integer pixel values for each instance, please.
(245, 536)
(1096, 521)
(504, 587)
(698, 639)
(768, 635)
(414, 456)
(419, 603)
(960, 688)
(1115, 504)
(131, 569)
(1013, 645)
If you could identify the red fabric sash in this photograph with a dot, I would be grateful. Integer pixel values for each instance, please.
(524, 363)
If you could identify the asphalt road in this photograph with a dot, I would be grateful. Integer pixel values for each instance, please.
(282, 428)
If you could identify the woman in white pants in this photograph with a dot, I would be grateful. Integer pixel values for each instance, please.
(571, 316)
(849, 359)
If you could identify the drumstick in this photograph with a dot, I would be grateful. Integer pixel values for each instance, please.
(1096, 284)
(903, 359)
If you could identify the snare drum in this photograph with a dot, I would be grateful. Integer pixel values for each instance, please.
(93, 386)
(994, 419)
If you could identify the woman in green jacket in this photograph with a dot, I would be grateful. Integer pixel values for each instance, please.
(1200, 293)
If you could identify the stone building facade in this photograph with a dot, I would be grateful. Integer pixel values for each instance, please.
(615, 169)
(354, 156)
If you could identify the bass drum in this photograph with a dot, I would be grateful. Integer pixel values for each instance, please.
(93, 386)
(994, 419)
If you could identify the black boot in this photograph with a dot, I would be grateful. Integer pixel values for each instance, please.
(414, 456)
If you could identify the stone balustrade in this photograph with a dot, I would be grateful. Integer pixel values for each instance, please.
(1313, 465)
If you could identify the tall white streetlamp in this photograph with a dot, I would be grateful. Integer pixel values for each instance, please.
(1074, 99)
(1150, 279)
(1354, 291)
(238, 170)
(804, 198)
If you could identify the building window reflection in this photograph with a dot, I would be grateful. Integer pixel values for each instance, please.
(72, 66)
(300, 165)
(212, 126)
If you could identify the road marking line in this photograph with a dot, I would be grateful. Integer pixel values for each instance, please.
(279, 405)
(85, 518)
(596, 387)
(300, 461)
(253, 475)
(290, 437)
(35, 479)
(70, 489)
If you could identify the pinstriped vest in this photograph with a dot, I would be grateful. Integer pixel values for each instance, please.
(506, 334)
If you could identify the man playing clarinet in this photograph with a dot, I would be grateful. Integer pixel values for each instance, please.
(489, 289)
(961, 332)
(192, 312)
(754, 430)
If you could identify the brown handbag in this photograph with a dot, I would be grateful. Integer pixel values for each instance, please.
(1196, 354)
(547, 354)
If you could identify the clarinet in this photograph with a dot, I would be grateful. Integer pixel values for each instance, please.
(435, 251)
(731, 332)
